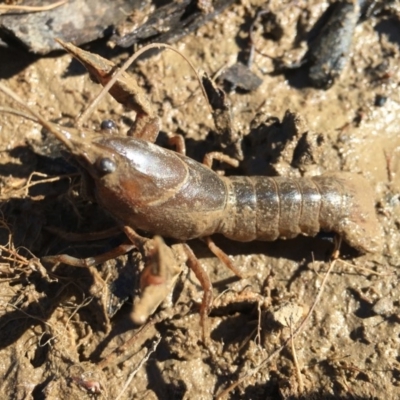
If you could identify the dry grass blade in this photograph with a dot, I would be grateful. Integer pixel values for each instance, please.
(6, 8)
(298, 330)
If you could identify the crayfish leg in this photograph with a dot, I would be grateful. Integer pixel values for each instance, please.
(217, 155)
(84, 237)
(177, 140)
(90, 261)
(134, 237)
(222, 256)
(337, 242)
(206, 303)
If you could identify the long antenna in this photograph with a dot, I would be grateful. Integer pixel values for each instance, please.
(51, 127)
(86, 114)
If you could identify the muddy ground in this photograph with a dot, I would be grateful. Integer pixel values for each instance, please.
(61, 327)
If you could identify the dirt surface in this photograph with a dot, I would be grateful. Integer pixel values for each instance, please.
(65, 332)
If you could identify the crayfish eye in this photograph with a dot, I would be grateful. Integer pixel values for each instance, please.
(106, 165)
(108, 125)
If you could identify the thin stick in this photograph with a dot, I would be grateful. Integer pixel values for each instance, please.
(18, 113)
(371, 271)
(145, 358)
(32, 8)
(296, 361)
(42, 320)
(30, 184)
(258, 336)
(86, 114)
(298, 330)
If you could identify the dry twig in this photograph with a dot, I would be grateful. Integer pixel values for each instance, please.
(298, 330)
(6, 8)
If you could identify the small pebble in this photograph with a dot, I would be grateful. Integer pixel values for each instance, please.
(383, 306)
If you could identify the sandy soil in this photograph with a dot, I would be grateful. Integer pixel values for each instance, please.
(61, 327)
